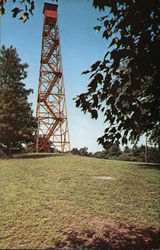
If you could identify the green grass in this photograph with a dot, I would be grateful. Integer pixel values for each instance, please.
(42, 197)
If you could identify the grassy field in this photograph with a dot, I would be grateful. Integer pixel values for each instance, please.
(57, 201)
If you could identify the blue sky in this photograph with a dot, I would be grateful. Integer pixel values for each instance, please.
(80, 48)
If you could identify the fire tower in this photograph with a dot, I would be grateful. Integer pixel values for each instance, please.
(53, 131)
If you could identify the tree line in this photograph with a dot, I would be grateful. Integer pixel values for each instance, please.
(135, 154)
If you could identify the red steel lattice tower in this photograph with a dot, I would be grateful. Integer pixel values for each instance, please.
(53, 131)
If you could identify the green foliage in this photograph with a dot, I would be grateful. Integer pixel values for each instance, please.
(100, 154)
(23, 9)
(113, 151)
(17, 123)
(82, 151)
(135, 154)
(125, 85)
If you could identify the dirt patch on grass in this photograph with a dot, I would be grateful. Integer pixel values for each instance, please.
(104, 177)
(101, 233)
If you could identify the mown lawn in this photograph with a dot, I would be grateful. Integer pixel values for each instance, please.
(52, 201)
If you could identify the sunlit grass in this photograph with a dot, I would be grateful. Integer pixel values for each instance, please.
(42, 196)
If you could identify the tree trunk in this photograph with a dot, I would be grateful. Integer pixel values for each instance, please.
(9, 150)
(146, 150)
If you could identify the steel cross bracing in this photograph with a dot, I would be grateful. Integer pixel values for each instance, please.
(53, 131)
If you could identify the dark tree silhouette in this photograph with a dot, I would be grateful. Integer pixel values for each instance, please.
(125, 85)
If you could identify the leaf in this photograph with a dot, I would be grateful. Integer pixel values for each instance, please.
(32, 5)
(2, 10)
(92, 75)
(111, 100)
(99, 77)
(97, 28)
(113, 130)
(106, 55)
(24, 17)
(106, 23)
(105, 34)
(118, 136)
(124, 140)
(94, 114)
(102, 109)
(95, 65)
(126, 133)
(95, 100)
(78, 101)
(99, 4)
(114, 42)
(85, 72)
(16, 11)
(93, 85)
(31, 12)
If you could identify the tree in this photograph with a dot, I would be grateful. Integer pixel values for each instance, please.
(83, 151)
(75, 151)
(17, 123)
(125, 85)
(114, 150)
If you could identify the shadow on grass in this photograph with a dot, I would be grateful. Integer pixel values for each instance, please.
(124, 237)
(151, 166)
(37, 155)
(145, 165)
